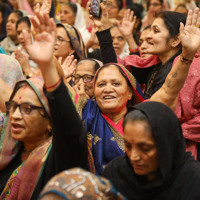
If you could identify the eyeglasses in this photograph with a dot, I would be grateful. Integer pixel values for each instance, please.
(155, 4)
(86, 78)
(25, 108)
(60, 40)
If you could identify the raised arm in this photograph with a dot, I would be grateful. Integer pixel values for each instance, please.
(190, 40)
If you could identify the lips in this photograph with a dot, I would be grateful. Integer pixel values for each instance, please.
(16, 128)
(108, 97)
(138, 166)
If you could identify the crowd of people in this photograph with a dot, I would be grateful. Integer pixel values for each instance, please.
(99, 107)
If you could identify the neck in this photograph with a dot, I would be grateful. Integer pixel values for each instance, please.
(165, 57)
(116, 117)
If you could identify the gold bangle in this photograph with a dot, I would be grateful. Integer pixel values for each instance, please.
(185, 59)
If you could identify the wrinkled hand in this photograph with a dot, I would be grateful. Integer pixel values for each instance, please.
(102, 23)
(80, 90)
(41, 50)
(128, 23)
(68, 66)
(190, 34)
(45, 8)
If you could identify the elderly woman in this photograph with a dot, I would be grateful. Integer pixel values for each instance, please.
(33, 156)
(68, 42)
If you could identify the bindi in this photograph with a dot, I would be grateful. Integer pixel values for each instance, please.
(24, 89)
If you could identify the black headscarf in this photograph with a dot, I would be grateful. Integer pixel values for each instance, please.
(172, 158)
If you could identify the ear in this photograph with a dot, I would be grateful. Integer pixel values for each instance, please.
(130, 94)
(49, 128)
(174, 42)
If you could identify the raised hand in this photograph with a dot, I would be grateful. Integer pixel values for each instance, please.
(45, 8)
(41, 50)
(68, 66)
(128, 23)
(190, 34)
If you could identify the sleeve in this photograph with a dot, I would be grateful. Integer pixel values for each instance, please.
(106, 46)
(69, 136)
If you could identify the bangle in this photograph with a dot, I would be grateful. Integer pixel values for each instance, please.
(54, 85)
(185, 59)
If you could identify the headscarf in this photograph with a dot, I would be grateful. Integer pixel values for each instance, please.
(137, 93)
(77, 183)
(170, 144)
(75, 40)
(10, 70)
(25, 180)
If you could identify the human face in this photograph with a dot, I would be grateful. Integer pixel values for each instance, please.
(28, 128)
(140, 148)
(158, 39)
(144, 44)
(67, 15)
(111, 91)
(112, 9)
(86, 67)
(11, 25)
(155, 7)
(14, 4)
(62, 47)
(118, 40)
(22, 26)
(95, 6)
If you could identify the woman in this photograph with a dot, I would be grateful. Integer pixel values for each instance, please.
(68, 42)
(9, 44)
(72, 14)
(29, 127)
(156, 165)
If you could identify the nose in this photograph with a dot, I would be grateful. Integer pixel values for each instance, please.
(134, 156)
(16, 113)
(108, 88)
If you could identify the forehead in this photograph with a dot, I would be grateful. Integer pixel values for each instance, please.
(115, 31)
(22, 25)
(62, 32)
(13, 16)
(110, 72)
(155, 1)
(64, 7)
(26, 94)
(144, 33)
(85, 68)
(159, 22)
(113, 2)
(137, 131)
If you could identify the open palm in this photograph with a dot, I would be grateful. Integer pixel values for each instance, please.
(41, 50)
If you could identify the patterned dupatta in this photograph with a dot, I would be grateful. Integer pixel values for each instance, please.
(105, 142)
(27, 176)
(75, 40)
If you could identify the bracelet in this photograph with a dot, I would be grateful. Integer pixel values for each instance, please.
(133, 50)
(54, 85)
(185, 59)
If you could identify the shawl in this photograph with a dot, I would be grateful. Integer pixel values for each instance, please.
(105, 142)
(177, 172)
(77, 183)
(188, 105)
(75, 40)
(26, 179)
(10, 70)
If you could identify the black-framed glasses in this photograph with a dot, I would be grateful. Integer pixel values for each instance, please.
(25, 108)
(60, 40)
(86, 78)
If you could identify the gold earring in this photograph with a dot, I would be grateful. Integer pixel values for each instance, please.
(49, 128)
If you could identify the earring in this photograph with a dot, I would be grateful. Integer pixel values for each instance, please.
(70, 53)
(49, 128)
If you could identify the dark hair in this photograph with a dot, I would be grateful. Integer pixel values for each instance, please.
(73, 7)
(25, 20)
(18, 13)
(96, 64)
(136, 115)
(119, 4)
(172, 21)
(148, 3)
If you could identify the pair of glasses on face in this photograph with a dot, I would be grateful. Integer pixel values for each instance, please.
(24, 108)
(60, 40)
(86, 78)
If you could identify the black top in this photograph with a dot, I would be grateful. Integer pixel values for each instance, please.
(178, 175)
(69, 145)
(153, 77)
